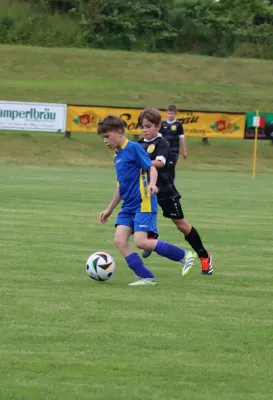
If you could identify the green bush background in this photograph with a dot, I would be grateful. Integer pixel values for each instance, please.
(223, 28)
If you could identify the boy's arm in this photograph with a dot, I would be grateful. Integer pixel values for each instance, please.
(184, 147)
(162, 153)
(104, 215)
(182, 141)
(153, 178)
(158, 164)
(115, 201)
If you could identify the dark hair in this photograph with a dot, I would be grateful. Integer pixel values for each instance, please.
(110, 123)
(151, 114)
(171, 108)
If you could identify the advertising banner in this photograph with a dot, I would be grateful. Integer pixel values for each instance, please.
(196, 124)
(45, 117)
(265, 125)
(212, 125)
(85, 118)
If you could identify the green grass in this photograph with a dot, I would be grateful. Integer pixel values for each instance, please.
(88, 150)
(64, 336)
(87, 76)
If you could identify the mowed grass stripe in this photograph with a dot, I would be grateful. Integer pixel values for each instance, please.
(89, 76)
(64, 336)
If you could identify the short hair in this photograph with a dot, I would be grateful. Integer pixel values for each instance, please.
(110, 123)
(151, 114)
(171, 108)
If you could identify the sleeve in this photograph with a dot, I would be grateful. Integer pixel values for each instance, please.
(180, 130)
(142, 157)
(162, 151)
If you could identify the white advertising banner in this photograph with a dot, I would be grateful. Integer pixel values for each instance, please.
(44, 117)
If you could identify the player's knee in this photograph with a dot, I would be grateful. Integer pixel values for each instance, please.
(141, 243)
(182, 225)
(120, 243)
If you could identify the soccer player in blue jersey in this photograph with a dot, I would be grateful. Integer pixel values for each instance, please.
(136, 186)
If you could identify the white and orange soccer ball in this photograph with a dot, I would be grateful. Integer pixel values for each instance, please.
(100, 266)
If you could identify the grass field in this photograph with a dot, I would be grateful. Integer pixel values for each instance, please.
(30, 148)
(87, 76)
(64, 336)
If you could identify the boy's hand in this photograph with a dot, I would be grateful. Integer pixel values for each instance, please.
(153, 189)
(185, 153)
(104, 215)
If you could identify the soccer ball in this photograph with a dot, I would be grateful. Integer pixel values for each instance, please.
(100, 266)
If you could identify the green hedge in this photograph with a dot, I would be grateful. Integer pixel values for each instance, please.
(225, 28)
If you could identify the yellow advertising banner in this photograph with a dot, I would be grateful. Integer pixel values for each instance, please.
(85, 118)
(212, 125)
(195, 123)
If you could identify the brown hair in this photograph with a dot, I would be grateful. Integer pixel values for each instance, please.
(151, 114)
(171, 108)
(110, 123)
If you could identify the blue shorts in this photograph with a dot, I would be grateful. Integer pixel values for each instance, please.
(139, 222)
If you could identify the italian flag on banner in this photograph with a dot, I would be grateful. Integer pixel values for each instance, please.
(259, 122)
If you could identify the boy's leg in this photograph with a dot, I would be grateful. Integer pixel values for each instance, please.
(146, 222)
(121, 239)
(167, 250)
(147, 253)
(194, 239)
(172, 209)
(191, 236)
(163, 249)
(132, 259)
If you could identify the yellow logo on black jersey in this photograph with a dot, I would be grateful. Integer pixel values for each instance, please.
(173, 127)
(151, 148)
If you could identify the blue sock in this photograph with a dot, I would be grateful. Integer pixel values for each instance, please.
(170, 251)
(136, 264)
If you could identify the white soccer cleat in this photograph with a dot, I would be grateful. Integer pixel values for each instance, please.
(144, 282)
(188, 262)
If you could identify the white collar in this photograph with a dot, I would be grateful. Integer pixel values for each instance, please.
(151, 140)
(170, 122)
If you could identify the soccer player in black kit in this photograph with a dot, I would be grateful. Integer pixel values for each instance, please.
(173, 131)
(168, 197)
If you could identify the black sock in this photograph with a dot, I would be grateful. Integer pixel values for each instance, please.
(195, 241)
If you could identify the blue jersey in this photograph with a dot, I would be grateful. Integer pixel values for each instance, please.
(132, 163)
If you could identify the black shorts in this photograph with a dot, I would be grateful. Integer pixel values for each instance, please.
(171, 208)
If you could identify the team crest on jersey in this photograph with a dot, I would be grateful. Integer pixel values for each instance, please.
(151, 148)
(173, 127)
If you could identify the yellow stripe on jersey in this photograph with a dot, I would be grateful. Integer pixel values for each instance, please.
(125, 144)
(145, 194)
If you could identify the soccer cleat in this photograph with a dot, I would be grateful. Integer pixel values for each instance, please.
(146, 253)
(144, 282)
(188, 262)
(207, 267)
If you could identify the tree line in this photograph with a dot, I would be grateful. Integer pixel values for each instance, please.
(208, 27)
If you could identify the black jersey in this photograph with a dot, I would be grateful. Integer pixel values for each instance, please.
(173, 132)
(158, 149)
